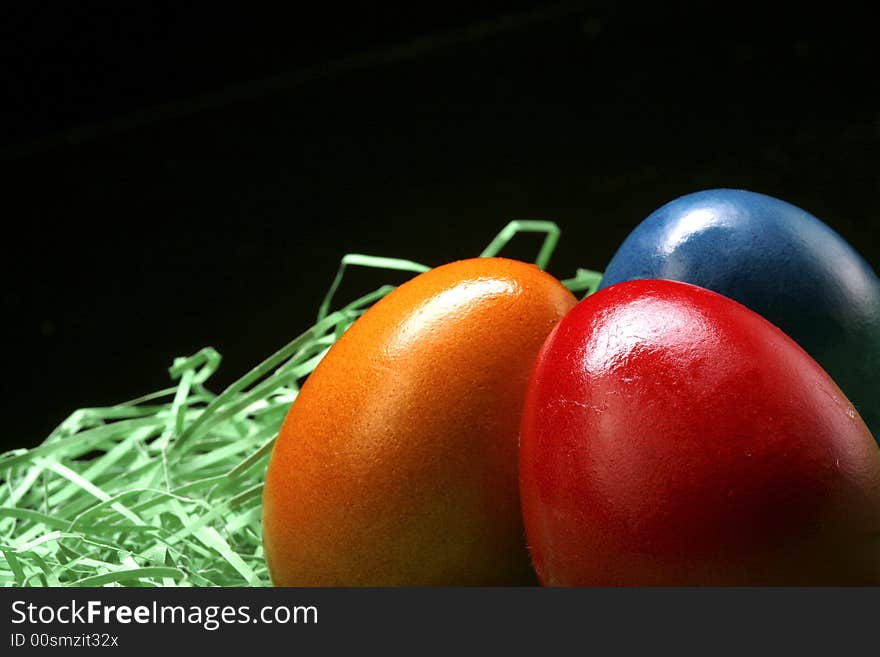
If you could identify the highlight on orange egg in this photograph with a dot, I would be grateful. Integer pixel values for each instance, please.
(397, 463)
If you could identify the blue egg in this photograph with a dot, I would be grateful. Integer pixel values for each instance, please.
(781, 262)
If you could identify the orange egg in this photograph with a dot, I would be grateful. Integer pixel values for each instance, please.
(397, 463)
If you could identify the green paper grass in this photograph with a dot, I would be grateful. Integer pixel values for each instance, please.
(165, 490)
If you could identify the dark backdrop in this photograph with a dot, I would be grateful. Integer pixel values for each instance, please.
(181, 177)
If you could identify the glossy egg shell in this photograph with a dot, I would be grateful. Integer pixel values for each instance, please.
(397, 463)
(781, 262)
(671, 436)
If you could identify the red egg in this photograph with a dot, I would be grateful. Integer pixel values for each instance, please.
(671, 436)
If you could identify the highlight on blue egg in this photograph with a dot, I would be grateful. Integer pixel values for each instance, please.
(781, 262)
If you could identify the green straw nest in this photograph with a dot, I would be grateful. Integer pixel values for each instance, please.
(165, 490)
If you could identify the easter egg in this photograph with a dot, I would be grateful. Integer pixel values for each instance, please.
(397, 462)
(781, 262)
(672, 436)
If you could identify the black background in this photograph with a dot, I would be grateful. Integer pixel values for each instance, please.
(156, 200)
